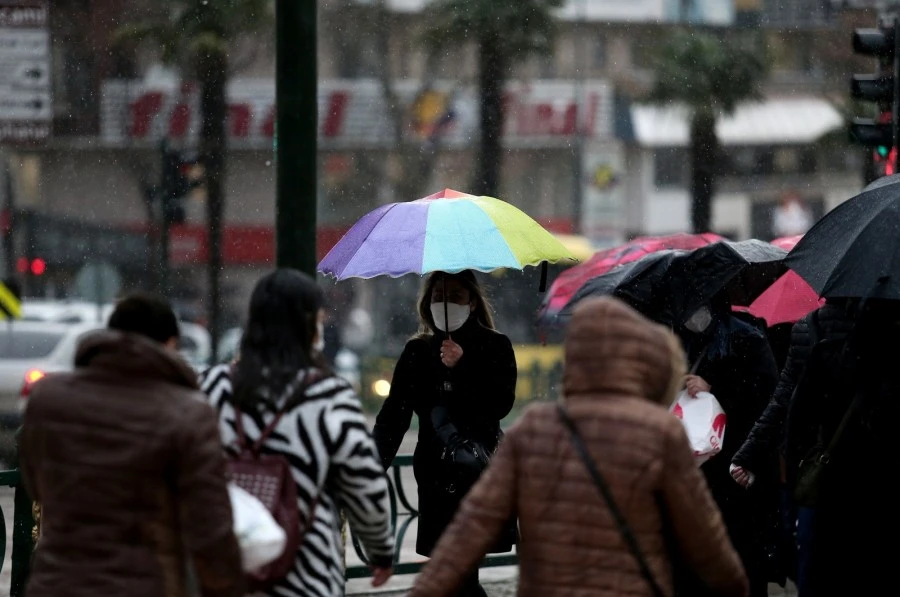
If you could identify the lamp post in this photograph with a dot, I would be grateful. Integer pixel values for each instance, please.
(296, 128)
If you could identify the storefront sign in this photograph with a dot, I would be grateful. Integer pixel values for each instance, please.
(354, 114)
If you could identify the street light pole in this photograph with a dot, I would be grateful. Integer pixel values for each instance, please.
(296, 131)
(580, 120)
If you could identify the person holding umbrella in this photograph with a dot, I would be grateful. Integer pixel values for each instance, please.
(458, 375)
(733, 360)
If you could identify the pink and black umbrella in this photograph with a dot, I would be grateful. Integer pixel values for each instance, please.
(790, 298)
(567, 283)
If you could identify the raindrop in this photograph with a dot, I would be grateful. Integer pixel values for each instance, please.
(268, 162)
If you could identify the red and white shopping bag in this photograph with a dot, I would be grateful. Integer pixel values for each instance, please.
(704, 422)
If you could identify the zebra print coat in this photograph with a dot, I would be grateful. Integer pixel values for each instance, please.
(332, 456)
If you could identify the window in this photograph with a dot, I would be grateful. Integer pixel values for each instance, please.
(670, 167)
(599, 57)
(20, 344)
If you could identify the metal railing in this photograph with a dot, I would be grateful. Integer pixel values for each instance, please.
(401, 520)
(22, 541)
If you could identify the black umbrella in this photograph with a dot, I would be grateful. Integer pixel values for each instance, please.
(741, 271)
(630, 282)
(854, 251)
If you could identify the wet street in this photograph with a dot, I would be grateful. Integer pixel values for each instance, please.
(6, 504)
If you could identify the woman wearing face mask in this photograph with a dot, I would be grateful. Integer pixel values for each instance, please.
(281, 382)
(733, 360)
(458, 375)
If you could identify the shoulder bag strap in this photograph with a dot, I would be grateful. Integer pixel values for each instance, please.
(604, 490)
(311, 377)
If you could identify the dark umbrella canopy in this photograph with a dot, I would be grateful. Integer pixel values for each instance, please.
(854, 251)
(630, 282)
(667, 287)
(741, 270)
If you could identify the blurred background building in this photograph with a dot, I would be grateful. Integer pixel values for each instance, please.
(582, 153)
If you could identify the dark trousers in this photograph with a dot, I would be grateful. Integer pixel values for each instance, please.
(805, 542)
(471, 587)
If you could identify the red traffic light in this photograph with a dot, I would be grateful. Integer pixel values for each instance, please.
(38, 267)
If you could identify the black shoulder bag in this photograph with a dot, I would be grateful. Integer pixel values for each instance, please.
(604, 490)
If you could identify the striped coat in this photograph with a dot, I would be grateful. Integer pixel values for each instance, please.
(333, 457)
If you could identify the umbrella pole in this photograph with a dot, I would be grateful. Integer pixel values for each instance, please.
(446, 316)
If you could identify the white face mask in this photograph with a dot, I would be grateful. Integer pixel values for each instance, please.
(699, 321)
(319, 342)
(456, 315)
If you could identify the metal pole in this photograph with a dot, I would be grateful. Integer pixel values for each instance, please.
(9, 206)
(578, 153)
(296, 129)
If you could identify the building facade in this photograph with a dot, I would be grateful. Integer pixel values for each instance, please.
(581, 152)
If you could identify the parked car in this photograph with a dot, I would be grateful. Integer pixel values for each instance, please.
(29, 350)
(194, 345)
(65, 311)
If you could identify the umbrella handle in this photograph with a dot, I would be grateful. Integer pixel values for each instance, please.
(446, 316)
(543, 285)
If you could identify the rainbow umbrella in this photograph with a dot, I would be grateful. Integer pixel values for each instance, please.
(448, 232)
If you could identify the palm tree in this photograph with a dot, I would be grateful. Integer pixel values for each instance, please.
(710, 76)
(196, 34)
(505, 32)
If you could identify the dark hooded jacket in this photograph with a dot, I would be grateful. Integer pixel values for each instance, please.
(124, 457)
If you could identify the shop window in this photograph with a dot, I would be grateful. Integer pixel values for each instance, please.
(670, 167)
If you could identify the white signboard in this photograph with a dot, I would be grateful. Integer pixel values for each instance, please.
(26, 109)
(353, 114)
(604, 216)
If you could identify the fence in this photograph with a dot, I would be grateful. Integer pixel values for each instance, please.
(401, 521)
(22, 542)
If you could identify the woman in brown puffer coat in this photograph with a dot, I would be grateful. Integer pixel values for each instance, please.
(621, 374)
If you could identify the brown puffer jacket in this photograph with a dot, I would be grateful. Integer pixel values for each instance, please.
(620, 370)
(125, 459)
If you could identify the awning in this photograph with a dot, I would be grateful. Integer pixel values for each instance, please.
(775, 121)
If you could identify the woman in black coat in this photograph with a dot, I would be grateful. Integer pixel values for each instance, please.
(733, 360)
(460, 385)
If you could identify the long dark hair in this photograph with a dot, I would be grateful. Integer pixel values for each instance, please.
(277, 340)
(481, 313)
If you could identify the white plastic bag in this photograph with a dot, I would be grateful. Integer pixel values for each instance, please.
(704, 422)
(260, 538)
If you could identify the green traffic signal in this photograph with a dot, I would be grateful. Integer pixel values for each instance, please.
(883, 151)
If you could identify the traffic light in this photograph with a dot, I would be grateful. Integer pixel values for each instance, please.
(881, 89)
(176, 184)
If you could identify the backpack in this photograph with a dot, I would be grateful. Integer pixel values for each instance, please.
(268, 478)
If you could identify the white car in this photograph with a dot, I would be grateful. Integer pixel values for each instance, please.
(194, 344)
(29, 350)
(65, 311)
